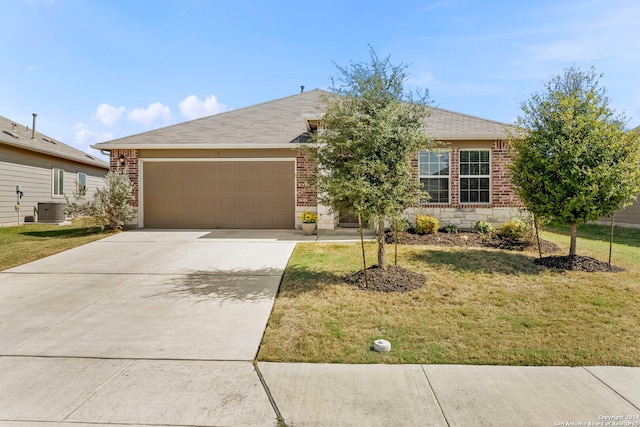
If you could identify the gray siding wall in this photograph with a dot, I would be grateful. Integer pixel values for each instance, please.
(34, 173)
(629, 216)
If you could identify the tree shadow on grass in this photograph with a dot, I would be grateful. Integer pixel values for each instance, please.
(480, 261)
(64, 233)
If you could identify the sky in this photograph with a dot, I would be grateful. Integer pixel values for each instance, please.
(97, 70)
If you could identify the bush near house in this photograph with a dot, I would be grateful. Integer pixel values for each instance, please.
(514, 230)
(426, 224)
(483, 227)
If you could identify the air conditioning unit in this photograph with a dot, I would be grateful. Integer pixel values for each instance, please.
(51, 212)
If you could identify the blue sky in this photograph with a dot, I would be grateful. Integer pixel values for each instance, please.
(96, 70)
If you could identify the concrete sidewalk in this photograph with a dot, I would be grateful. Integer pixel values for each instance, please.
(67, 391)
(452, 395)
(160, 328)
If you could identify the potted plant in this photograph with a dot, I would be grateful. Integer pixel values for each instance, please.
(309, 220)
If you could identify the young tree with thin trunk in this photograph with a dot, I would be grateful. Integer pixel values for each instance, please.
(371, 129)
(574, 162)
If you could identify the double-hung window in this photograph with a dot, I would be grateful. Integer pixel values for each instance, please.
(58, 182)
(434, 175)
(475, 176)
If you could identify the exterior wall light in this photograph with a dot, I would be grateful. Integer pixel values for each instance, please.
(122, 160)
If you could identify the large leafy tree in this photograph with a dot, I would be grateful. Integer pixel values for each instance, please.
(574, 161)
(371, 129)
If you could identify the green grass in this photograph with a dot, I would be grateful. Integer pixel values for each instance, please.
(28, 243)
(478, 306)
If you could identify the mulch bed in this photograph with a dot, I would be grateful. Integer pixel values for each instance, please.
(469, 240)
(393, 279)
(577, 263)
(398, 279)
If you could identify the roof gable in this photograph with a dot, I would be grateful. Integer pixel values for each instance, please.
(17, 135)
(281, 122)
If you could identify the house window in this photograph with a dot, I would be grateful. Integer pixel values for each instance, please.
(434, 175)
(58, 182)
(475, 176)
(81, 184)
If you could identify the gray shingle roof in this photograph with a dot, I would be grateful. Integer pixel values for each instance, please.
(19, 136)
(280, 122)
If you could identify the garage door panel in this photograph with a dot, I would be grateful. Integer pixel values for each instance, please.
(245, 194)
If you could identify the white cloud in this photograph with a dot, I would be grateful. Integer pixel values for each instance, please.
(32, 68)
(149, 115)
(109, 115)
(192, 107)
(85, 137)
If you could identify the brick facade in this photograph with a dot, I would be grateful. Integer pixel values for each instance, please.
(306, 192)
(502, 194)
(131, 164)
(504, 206)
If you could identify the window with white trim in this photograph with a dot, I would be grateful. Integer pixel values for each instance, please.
(475, 176)
(434, 173)
(81, 183)
(58, 182)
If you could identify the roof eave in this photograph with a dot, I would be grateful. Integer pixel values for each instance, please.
(88, 161)
(177, 146)
(470, 137)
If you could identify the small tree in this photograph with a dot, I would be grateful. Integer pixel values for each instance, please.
(79, 205)
(112, 205)
(372, 128)
(575, 163)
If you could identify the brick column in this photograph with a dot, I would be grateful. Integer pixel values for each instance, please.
(306, 191)
(503, 193)
(131, 165)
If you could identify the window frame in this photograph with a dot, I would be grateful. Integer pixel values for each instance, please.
(435, 177)
(80, 186)
(57, 182)
(478, 176)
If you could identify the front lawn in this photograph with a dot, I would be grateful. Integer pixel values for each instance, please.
(27, 243)
(478, 306)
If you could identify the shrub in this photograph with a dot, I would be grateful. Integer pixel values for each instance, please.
(426, 224)
(483, 227)
(451, 229)
(79, 206)
(514, 230)
(111, 207)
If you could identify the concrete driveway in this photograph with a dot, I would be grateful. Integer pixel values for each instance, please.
(161, 328)
(142, 327)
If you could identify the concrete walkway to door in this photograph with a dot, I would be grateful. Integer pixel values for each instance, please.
(143, 327)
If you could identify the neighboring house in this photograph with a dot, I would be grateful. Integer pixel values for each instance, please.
(629, 216)
(36, 169)
(243, 169)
